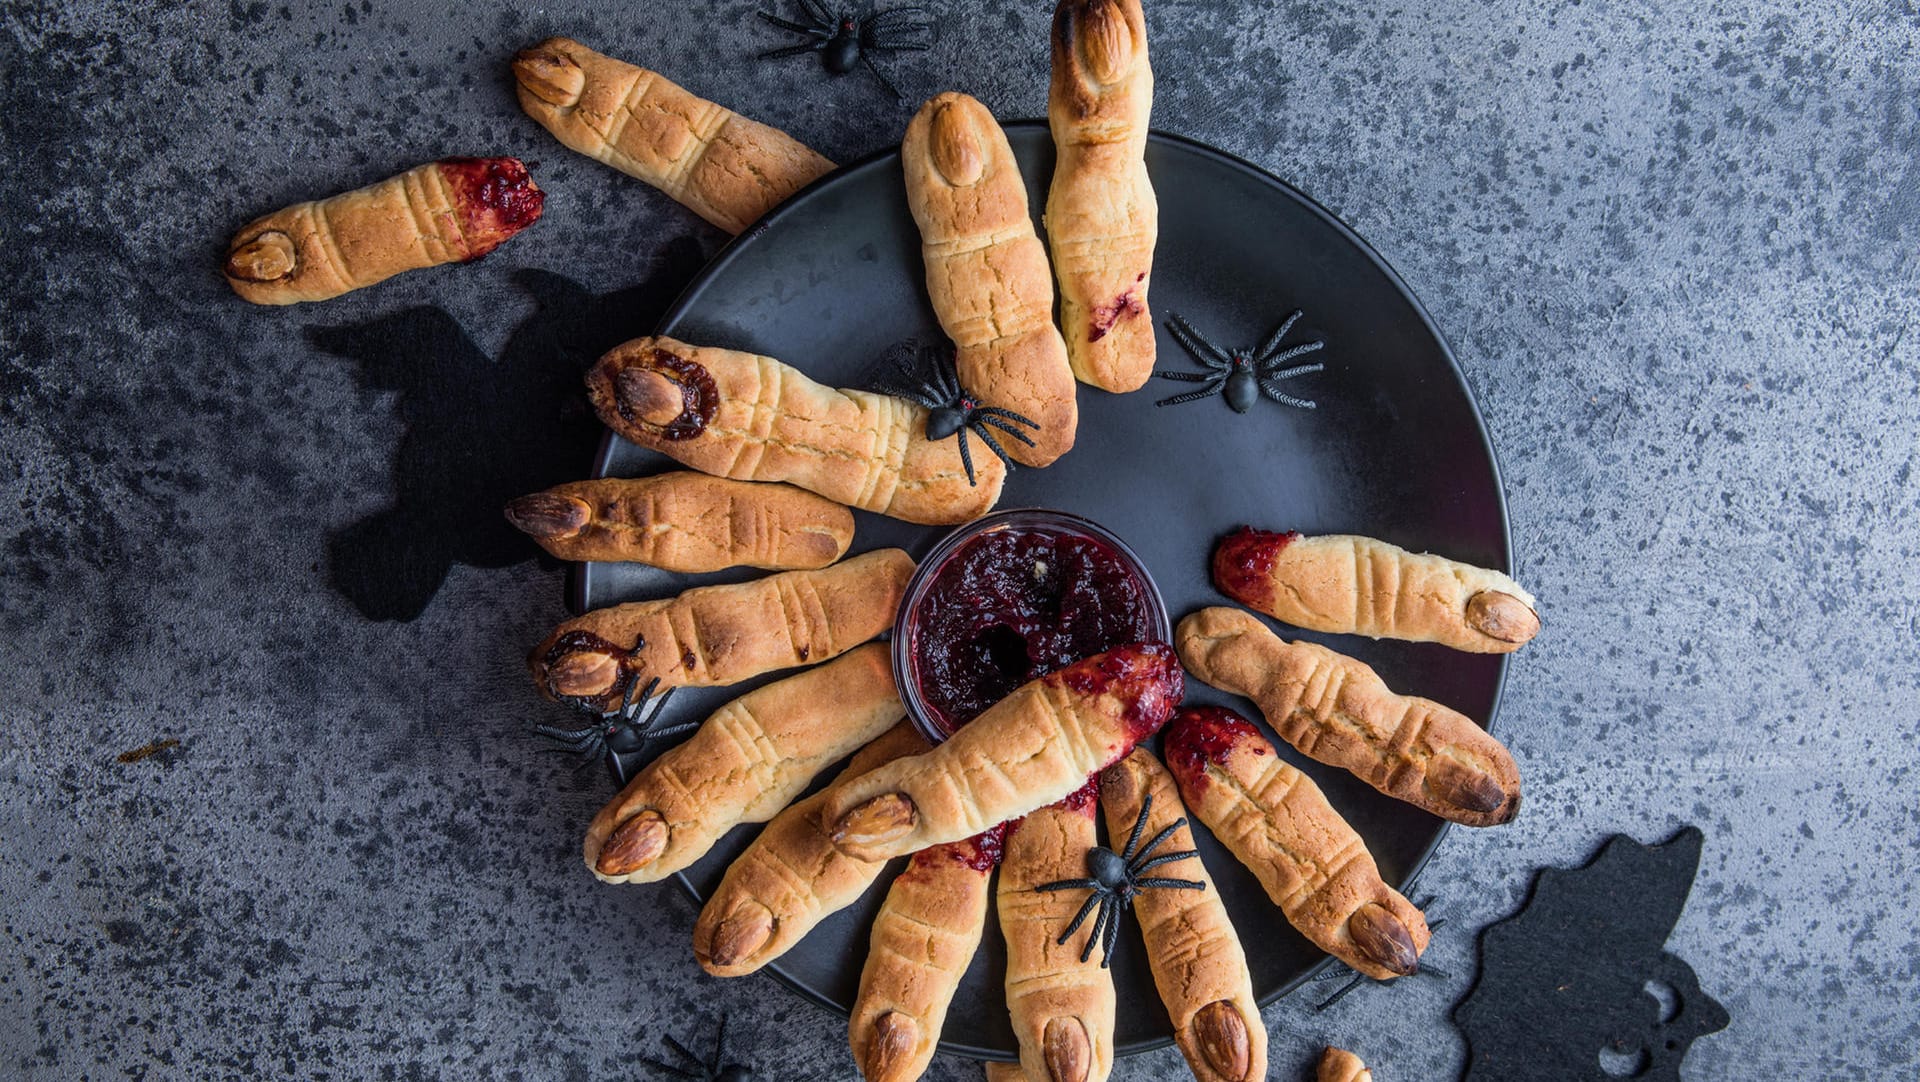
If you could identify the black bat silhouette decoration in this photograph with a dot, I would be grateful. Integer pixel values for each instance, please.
(1579, 985)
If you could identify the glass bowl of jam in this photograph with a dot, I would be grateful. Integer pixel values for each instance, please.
(1009, 598)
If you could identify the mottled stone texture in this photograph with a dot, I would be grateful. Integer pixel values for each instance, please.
(1674, 245)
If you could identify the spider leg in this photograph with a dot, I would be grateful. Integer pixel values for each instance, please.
(994, 445)
(966, 456)
(1113, 936)
(996, 411)
(1189, 377)
(866, 57)
(675, 730)
(1273, 340)
(1287, 399)
(1171, 884)
(1211, 389)
(1341, 994)
(1289, 373)
(788, 24)
(566, 735)
(719, 1048)
(819, 12)
(659, 704)
(1165, 858)
(1069, 884)
(898, 45)
(1432, 971)
(1165, 833)
(1094, 934)
(793, 50)
(1140, 824)
(1196, 344)
(682, 1050)
(637, 696)
(1002, 426)
(1300, 350)
(1074, 925)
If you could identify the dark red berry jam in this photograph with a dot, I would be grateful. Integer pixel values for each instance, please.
(1199, 735)
(495, 198)
(1242, 562)
(1012, 605)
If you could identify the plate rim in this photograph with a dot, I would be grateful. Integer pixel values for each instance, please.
(580, 575)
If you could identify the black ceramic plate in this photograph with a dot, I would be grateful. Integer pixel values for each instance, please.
(833, 278)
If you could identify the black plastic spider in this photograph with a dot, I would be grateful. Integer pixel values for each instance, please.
(927, 376)
(1357, 978)
(1241, 376)
(843, 40)
(622, 735)
(1116, 879)
(707, 1070)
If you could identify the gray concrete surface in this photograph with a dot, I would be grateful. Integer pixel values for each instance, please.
(1674, 246)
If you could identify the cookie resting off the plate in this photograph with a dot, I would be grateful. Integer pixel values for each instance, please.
(449, 211)
(724, 167)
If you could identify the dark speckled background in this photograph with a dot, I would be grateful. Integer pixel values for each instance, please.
(1676, 247)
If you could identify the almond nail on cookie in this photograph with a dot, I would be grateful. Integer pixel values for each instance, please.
(790, 878)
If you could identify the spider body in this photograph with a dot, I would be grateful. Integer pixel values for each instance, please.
(927, 376)
(1116, 879)
(622, 736)
(843, 40)
(1241, 376)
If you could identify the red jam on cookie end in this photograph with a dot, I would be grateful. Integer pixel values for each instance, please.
(495, 199)
(1082, 799)
(1147, 676)
(1125, 306)
(981, 852)
(1199, 735)
(1243, 561)
(1013, 605)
